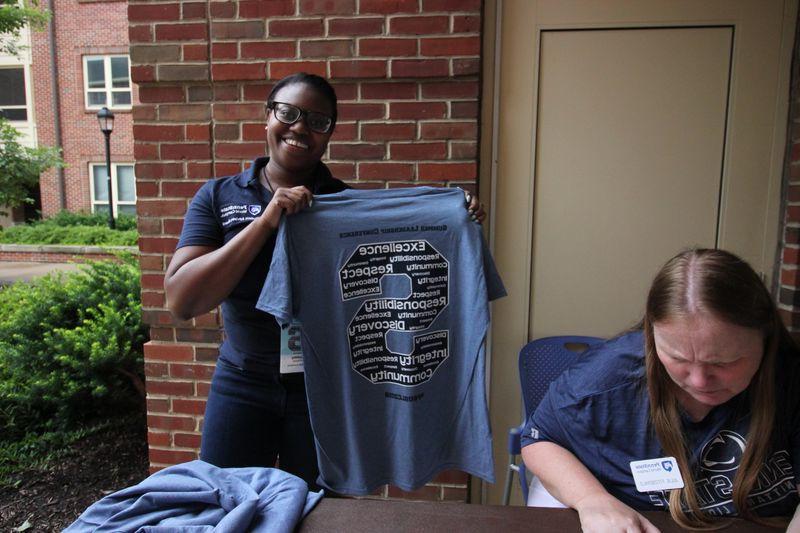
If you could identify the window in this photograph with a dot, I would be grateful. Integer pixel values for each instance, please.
(13, 104)
(107, 82)
(123, 185)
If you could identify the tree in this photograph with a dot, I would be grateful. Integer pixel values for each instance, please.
(21, 166)
(14, 15)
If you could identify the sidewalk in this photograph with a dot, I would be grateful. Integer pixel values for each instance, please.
(11, 271)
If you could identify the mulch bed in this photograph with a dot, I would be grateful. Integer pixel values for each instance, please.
(95, 466)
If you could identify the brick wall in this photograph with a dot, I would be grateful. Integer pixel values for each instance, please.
(82, 28)
(407, 76)
(789, 278)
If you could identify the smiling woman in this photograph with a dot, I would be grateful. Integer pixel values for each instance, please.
(711, 383)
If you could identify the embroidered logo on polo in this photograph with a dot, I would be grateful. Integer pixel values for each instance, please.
(411, 279)
(234, 213)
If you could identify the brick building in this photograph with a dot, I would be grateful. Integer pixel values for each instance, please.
(430, 92)
(83, 54)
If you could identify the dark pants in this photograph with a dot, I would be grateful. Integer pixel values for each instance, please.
(255, 419)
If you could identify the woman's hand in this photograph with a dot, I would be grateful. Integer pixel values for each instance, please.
(475, 208)
(600, 512)
(290, 200)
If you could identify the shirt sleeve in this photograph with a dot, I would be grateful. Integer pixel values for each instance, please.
(200, 225)
(276, 294)
(494, 285)
(544, 424)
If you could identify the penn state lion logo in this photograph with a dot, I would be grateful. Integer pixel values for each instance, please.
(723, 453)
(254, 209)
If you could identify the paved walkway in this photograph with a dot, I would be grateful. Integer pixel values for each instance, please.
(14, 271)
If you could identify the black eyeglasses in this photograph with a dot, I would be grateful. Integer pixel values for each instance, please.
(289, 114)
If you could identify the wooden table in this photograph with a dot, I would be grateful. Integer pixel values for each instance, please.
(357, 516)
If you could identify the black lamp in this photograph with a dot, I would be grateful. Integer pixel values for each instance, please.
(106, 120)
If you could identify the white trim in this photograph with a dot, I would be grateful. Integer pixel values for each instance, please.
(108, 88)
(114, 187)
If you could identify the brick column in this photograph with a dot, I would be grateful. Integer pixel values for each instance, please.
(407, 76)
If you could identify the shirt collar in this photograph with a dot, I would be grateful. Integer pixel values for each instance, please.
(249, 178)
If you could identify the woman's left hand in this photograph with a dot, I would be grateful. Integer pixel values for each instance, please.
(474, 207)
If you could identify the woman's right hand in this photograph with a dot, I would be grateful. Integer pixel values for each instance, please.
(287, 199)
(601, 513)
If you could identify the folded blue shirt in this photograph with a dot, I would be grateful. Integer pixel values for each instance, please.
(199, 497)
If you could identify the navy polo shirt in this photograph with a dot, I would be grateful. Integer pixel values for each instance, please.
(218, 212)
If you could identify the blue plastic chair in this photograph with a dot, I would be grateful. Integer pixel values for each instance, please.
(540, 362)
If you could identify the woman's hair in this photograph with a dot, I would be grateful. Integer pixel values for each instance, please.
(312, 80)
(722, 285)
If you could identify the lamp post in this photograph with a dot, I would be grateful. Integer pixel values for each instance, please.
(106, 120)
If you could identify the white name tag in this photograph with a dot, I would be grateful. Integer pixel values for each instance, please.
(291, 354)
(656, 474)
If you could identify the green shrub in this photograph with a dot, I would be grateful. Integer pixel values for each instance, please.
(88, 229)
(70, 347)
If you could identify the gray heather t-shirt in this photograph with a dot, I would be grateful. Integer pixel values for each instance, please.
(391, 288)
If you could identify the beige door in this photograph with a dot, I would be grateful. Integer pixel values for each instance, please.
(625, 131)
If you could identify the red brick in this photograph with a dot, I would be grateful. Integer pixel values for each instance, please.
(450, 46)
(356, 26)
(157, 207)
(148, 226)
(368, 184)
(153, 299)
(145, 151)
(238, 71)
(390, 131)
(326, 48)
(449, 130)
(419, 68)
(198, 170)
(345, 90)
(454, 494)
(157, 405)
(464, 110)
(417, 110)
(451, 477)
(144, 112)
(268, 50)
(185, 151)
(385, 171)
(158, 133)
(358, 69)
(224, 50)
(195, 52)
(327, 7)
(171, 457)
(451, 5)
(466, 24)
(173, 226)
(194, 10)
(238, 150)
(467, 150)
(151, 262)
(162, 334)
(790, 256)
(388, 7)
(422, 25)
(206, 354)
(281, 69)
(466, 67)
(225, 10)
(161, 94)
(265, 8)
(189, 407)
(184, 113)
(200, 93)
(153, 12)
(197, 335)
(458, 89)
(361, 111)
(157, 244)
(143, 73)
(189, 371)
(187, 440)
(203, 389)
(140, 34)
(226, 169)
(357, 151)
(343, 171)
(155, 370)
(447, 171)
(155, 438)
(170, 388)
(296, 28)
(180, 189)
(198, 132)
(257, 91)
(183, 72)
(387, 47)
(181, 32)
(152, 281)
(793, 213)
(790, 277)
(427, 493)
(250, 29)
(253, 132)
(227, 132)
(345, 131)
(418, 151)
(226, 92)
(388, 91)
(158, 170)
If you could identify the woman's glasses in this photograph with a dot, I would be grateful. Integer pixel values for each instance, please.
(289, 114)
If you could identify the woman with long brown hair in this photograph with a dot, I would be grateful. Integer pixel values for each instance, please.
(711, 379)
